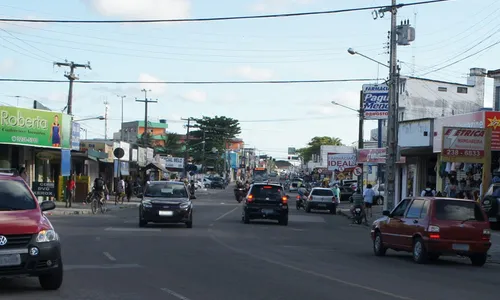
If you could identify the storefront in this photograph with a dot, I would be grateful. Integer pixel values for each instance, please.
(104, 164)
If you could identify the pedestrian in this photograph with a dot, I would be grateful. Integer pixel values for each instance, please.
(23, 174)
(70, 190)
(368, 196)
(336, 191)
(429, 191)
(120, 191)
(129, 188)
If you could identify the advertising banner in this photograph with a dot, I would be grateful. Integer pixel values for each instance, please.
(492, 119)
(463, 144)
(33, 127)
(174, 162)
(472, 120)
(372, 156)
(341, 162)
(375, 101)
(75, 136)
(65, 162)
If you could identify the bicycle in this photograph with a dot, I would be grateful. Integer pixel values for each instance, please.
(96, 204)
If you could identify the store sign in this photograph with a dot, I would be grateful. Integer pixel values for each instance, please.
(75, 136)
(492, 120)
(472, 120)
(375, 101)
(372, 156)
(44, 189)
(463, 143)
(174, 162)
(33, 127)
(341, 162)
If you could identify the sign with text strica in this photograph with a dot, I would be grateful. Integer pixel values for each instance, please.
(462, 144)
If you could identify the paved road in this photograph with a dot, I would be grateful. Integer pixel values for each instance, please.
(318, 256)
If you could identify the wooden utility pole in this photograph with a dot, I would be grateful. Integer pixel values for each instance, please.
(71, 77)
(146, 101)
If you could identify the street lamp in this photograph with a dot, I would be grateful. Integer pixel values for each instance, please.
(100, 118)
(121, 126)
(353, 52)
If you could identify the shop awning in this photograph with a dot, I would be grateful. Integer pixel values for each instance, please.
(156, 166)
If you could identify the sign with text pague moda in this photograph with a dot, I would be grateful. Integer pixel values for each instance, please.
(33, 127)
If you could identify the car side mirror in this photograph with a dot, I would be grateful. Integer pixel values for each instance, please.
(47, 205)
(386, 213)
(192, 197)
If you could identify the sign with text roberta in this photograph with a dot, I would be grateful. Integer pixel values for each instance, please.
(463, 144)
(33, 127)
(341, 162)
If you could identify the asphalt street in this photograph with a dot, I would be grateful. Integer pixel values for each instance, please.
(317, 256)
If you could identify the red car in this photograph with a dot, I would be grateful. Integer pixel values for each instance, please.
(431, 227)
(29, 246)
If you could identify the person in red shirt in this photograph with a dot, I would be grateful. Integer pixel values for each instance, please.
(70, 190)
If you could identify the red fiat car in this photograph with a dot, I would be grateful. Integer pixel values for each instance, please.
(29, 246)
(431, 227)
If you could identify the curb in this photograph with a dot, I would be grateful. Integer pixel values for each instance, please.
(79, 211)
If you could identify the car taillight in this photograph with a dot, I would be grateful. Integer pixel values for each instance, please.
(433, 232)
(310, 198)
(284, 200)
(250, 198)
(298, 197)
(334, 200)
(486, 234)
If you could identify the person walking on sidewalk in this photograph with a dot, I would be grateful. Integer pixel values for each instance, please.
(368, 196)
(336, 192)
(70, 190)
(129, 188)
(120, 191)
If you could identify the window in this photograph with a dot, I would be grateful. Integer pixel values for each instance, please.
(462, 90)
(454, 210)
(442, 89)
(399, 211)
(415, 209)
(425, 209)
(267, 191)
(14, 195)
(318, 192)
(166, 190)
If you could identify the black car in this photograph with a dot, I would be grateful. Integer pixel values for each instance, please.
(491, 204)
(166, 202)
(218, 183)
(266, 201)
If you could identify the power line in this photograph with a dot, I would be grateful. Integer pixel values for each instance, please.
(186, 20)
(193, 82)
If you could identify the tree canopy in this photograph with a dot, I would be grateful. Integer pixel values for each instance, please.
(313, 147)
(172, 145)
(216, 132)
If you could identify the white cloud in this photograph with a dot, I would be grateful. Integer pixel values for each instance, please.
(251, 73)
(156, 89)
(145, 9)
(7, 65)
(195, 96)
(278, 5)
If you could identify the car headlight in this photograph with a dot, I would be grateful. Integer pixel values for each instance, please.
(184, 205)
(147, 204)
(47, 236)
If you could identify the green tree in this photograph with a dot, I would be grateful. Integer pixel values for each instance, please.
(314, 146)
(172, 145)
(145, 141)
(216, 132)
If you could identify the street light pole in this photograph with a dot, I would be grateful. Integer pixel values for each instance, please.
(121, 126)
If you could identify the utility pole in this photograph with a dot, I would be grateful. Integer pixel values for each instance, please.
(106, 109)
(121, 126)
(71, 77)
(203, 154)
(186, 151)
(146, 101)
(361, 144)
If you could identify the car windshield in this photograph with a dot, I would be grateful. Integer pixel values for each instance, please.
(454, 210)
(166, 190)
(14, 195)
(318, 192)
(267, 191)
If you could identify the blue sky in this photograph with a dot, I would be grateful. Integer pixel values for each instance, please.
(279, 49)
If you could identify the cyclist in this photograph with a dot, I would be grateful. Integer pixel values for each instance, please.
(100, 188)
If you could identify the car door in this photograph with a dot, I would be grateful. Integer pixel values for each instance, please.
(413, 222)
(391, 228)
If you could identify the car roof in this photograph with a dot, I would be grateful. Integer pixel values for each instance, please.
(9, 176)
(445, 198)
(264, 183)
(164, 181)
(321, 188)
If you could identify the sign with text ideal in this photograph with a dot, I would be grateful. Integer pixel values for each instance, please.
(341, 162)
(375, 101)
(460, 143)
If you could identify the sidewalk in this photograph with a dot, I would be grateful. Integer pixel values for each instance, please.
(84, 209)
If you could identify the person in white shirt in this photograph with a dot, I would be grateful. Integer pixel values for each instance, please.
(428, 191)
(120, 191)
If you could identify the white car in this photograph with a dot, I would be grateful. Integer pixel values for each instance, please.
(207, 183)
(323, 199)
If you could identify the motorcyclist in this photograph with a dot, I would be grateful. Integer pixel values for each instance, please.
(358, 201)
(192, 187)
(100, 188)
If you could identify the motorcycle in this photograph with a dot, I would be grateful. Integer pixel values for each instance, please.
(239, 193)
(357, 212)
(301, 200)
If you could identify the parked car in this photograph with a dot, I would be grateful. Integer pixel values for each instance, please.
(345, 193)
(379, 190)
(29, 244)
(432, 227)
(491, 204)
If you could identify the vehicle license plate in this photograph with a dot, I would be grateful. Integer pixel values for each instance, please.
(267, 211)
(358, 209)
(166, 213)
(10, 260)
(322, 205)
(460, 247)
(492, 219)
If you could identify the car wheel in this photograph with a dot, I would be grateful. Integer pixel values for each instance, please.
(283, 221)
(479, 260)
(378, 245)
(420, 255)
(53, 280)
(380, 201)
(246, 218)
(189, 224)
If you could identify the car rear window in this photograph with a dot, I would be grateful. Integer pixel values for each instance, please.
(166, 190)
(14, 195)
(452, 210)
(266, 191)
(316, 192)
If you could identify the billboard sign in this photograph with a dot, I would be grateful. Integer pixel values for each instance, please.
(375, 101)
(471, 120)
(462, 144)
(291, 151)
(341, 162)
(75, 136)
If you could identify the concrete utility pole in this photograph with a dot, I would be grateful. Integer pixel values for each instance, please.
(71, 77)
(146, 102)
(106, 109)
(186, 151)
(121, 126)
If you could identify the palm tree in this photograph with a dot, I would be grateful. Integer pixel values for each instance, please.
(172, 144)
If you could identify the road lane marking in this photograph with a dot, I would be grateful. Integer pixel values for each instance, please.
(305, 271)
(176, 295)
(100, 267)
(97, 238)
(225, 214)
(133, 229)
(109, 256)
(297, 229)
